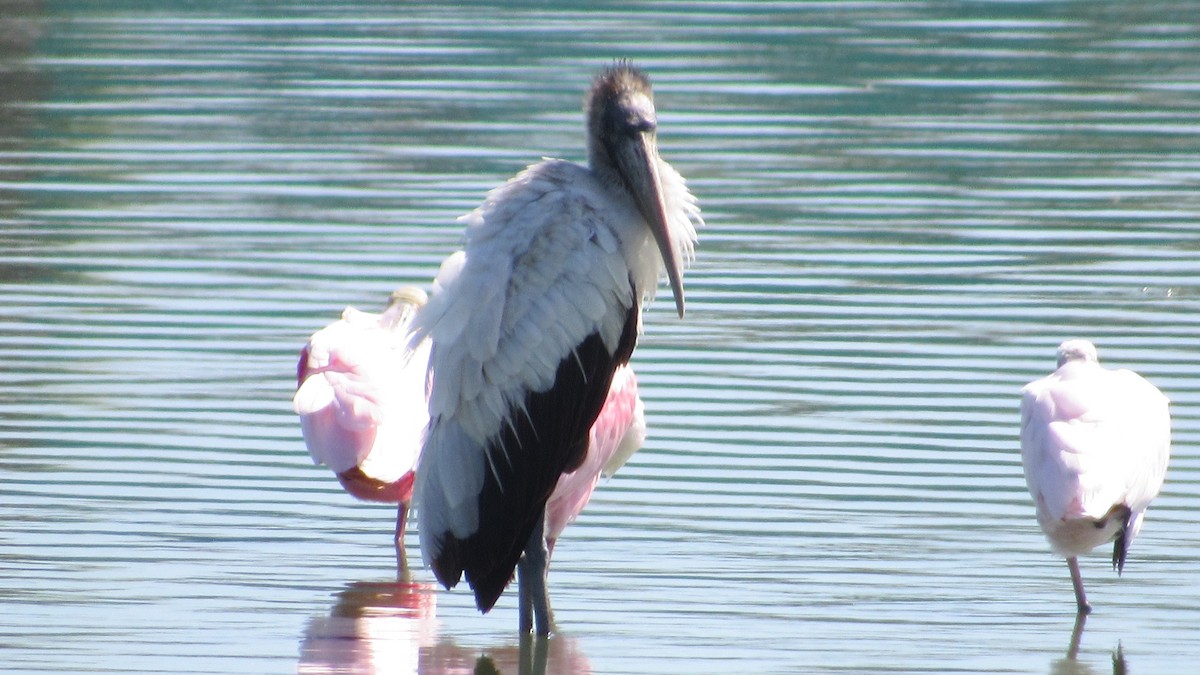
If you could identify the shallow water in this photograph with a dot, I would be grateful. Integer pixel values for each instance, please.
(908, 207)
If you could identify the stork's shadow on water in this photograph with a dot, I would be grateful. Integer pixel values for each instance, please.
(1071, 665)
(391, 627)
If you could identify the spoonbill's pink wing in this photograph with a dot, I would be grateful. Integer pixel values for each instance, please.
(361, 399)
(618, 432)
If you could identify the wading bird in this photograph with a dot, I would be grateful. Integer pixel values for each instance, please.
(363, 412)
(528, 323)
(361, 400)
(1094, 445)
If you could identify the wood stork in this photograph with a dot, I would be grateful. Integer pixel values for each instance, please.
(528, 323)
(1094, 445)
(361, 401)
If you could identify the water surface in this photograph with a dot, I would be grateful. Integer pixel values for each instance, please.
(908, 207)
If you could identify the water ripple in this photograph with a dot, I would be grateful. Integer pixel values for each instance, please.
(908, 207)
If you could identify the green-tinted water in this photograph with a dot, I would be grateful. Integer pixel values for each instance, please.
(909, 205)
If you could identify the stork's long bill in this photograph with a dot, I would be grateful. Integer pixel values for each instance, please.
(623, 123)
(637, 162)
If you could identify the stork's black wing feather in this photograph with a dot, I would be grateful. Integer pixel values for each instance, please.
(547, 440)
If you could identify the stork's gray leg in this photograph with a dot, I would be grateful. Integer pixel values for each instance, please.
(1077, 581)
(534, 598)
(524, 602)
(534, 652)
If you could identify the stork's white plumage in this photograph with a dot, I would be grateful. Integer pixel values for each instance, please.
(528, 324)
(1094, 445)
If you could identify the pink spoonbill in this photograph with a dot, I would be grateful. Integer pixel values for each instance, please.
(361, 401)
(362, 406)
(529, 323)
(1094, 444)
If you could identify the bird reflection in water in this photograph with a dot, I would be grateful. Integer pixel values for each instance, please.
(1071, 665)
(375, 626)
(391, 627)
(534, 655)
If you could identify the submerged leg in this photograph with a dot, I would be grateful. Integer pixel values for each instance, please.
(1077, 581)
(534, 652)
(534, 599)
(401, 557)
(1076, 634)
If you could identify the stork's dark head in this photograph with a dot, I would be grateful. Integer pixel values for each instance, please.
(623, 151)
(620, 104)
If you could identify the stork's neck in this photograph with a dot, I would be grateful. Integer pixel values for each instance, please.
(604, 167)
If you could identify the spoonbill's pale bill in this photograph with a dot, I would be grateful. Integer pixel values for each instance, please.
(361, 401)
(528, 323)
(1094, 444)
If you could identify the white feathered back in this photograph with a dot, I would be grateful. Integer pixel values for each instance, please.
(1091, 439)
